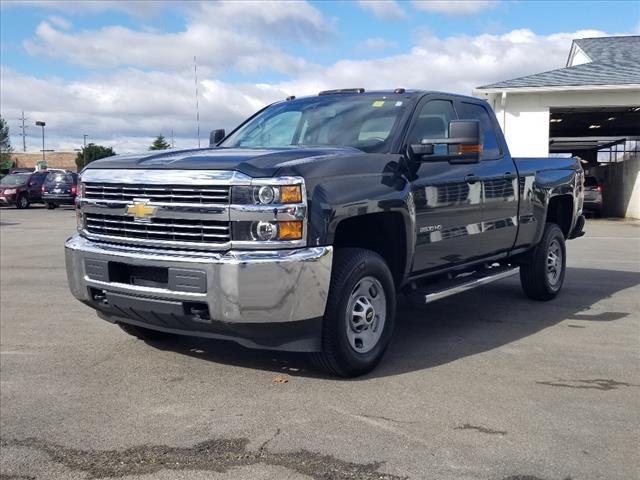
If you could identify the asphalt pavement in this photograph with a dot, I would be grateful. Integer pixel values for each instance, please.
(483, 385)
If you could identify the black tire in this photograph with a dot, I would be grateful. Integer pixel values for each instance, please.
(535, 273)
(22, 201)
(144, 333)
(51, 206)
(351, 266)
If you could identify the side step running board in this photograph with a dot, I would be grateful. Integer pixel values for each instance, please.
(461, 284)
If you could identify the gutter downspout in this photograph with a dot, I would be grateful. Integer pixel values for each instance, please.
(503, 104)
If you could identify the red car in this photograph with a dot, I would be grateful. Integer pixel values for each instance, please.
(22, 189)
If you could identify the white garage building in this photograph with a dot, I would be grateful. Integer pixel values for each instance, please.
(590, 108)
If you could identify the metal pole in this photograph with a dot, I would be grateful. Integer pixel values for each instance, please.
(84, 151)
(24, 140)
(195, 72)
(41, 124)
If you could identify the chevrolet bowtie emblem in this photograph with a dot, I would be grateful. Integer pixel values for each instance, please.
(141, 211)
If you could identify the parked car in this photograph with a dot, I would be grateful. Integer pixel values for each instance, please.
(22, 189)
(592, 195)
(298, 230)
(60, 188)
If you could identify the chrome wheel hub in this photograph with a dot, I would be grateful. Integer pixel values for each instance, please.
(554, 263)
(366, 314)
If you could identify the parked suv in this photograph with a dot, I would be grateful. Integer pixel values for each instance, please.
(592, 195)
(60, 188)
(22, 189)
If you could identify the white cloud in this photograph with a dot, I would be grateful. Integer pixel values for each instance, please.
(383, 9)
(138, 8)
(134, 104)
(454, 7)
(223, 35)
(378, 43)
(216, 48)
(60, 22)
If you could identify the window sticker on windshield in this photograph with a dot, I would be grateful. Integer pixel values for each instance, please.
(378, 103)
(398, 104)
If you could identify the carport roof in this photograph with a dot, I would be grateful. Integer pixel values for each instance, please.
(613, 61)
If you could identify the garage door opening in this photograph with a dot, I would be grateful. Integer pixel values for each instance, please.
(607, 140)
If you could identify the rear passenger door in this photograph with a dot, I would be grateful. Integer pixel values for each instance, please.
(447, 196)
(499, 182)
(35, 185)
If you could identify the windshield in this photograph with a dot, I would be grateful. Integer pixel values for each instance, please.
(15, 179)
(364, 122)
(53, 178)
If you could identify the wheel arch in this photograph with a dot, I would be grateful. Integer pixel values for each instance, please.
(382, 232)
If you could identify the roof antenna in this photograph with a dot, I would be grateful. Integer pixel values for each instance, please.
(195, 74)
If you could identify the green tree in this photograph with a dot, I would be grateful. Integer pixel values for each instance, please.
(92, 152)
(159, 144)
(6, 163)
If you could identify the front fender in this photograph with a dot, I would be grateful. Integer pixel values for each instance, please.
(335, 199)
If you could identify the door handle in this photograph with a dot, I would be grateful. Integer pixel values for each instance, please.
(471, 179)
(508, 176)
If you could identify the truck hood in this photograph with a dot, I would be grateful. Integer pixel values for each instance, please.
(259, 162)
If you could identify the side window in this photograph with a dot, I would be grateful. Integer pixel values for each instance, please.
(432, 121)
(473, 111)
(277, 130)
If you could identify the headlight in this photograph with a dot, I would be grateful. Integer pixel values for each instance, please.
(10, 191)
(269, 213)
(266, 195)
(263, 231)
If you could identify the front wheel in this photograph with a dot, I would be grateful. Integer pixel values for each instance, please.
(542, 273)
(22, 201)
(51, 206)
(360, 313)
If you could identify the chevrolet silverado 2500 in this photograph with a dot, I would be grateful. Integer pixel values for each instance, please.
(298, 229)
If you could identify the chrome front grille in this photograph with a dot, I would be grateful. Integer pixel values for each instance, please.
(172, 194)
(164, 229)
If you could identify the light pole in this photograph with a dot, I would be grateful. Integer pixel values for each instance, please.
(84, 151)
(42, 124)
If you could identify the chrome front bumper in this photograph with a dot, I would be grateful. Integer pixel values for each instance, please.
(242, 287)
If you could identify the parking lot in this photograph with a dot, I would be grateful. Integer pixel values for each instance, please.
(484, 385)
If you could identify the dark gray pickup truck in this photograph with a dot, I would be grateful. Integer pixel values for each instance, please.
(298, 229)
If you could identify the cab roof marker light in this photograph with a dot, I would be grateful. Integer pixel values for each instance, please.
(399, 91)
(290, 97)
(341, 90)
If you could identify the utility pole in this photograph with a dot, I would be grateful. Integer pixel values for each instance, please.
(195, 73)
(42, 124)
(24, 133)
(84, 150)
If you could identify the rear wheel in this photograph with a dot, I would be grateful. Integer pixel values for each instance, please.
(144, 333)
(51, 206)
(360, 313)
(542, 273)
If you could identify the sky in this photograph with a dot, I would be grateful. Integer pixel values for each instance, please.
(123, 72)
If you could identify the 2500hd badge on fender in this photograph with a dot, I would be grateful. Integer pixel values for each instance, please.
(297, 230)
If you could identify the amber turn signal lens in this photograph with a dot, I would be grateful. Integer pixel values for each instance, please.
(291, 194)
(290, 230)
(470, 149)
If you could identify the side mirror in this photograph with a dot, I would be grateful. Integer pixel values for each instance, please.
(216, 136)
(463, 144)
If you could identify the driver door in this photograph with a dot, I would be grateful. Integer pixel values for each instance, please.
(448, 197)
